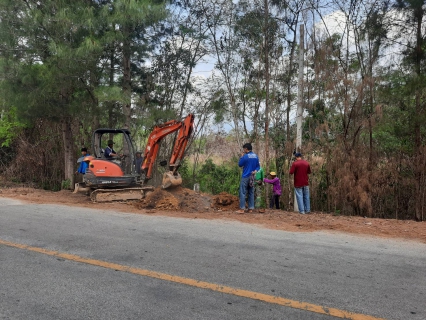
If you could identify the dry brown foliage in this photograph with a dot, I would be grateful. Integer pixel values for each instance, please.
(38, 156)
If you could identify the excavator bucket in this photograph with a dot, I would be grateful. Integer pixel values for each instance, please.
(171, 180)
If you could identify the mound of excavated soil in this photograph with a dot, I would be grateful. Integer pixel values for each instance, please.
(226, 201)
(186, 200)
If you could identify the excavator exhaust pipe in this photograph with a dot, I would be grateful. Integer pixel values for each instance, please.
(171, 180)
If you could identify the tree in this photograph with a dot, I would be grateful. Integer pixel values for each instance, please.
(54, 54)
(415, 61)
(126, 30)
(49, 57)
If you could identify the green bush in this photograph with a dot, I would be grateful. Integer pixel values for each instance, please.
(213, 178)
(66, 184)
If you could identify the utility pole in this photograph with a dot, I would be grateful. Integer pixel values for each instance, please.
(299, 113)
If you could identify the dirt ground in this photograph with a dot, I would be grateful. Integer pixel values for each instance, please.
(185, 203)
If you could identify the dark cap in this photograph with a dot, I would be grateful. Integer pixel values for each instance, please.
(110, 142)
(84, 149)
(298, 155)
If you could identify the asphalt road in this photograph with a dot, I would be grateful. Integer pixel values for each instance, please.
(59, 262)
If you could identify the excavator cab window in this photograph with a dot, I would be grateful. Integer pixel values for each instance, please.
(123, 147)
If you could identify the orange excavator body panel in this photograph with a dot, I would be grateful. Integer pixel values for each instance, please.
(105, 168)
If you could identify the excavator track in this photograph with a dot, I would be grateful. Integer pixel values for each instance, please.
(124, 194)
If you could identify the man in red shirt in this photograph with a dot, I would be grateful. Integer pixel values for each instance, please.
(301, 168)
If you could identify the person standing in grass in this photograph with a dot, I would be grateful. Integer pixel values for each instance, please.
(249, 161)
(301, 169)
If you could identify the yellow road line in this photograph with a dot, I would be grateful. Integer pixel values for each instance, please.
(200, 284)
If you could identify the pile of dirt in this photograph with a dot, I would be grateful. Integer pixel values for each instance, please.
(226, 201)
(159, 199)
(186, 200)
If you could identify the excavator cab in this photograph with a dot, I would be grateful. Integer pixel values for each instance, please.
(111, 172)
(122, 144)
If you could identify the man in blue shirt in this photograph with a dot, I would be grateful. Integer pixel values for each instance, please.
(249, 161)
(109, 151)
(83, 165)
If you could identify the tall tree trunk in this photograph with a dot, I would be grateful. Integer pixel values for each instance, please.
(188, 77)
(127, 84)
(127, 90)
(267, 80)
(68, 151)
(418, 168)
(257, 106)
(371, 102)
(111, 104)
(289, 91)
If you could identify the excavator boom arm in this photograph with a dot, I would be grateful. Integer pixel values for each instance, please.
(185, 128)
(181, 142)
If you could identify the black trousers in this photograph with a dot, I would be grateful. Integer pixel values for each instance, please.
(275, 199)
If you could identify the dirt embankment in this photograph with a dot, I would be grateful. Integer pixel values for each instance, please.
(185, 203)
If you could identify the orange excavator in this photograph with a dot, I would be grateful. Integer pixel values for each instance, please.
(117, 178)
